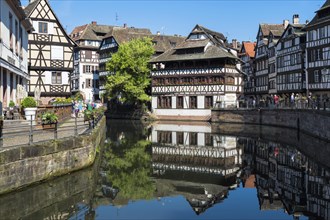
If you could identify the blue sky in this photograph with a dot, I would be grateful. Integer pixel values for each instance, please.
(234, 18)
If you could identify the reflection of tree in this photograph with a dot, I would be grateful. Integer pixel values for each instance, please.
(129, 168)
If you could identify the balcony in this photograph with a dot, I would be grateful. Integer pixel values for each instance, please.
(193, 71)
(105, 60)
(107, 46)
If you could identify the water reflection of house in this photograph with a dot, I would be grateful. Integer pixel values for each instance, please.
(285, 178)
(195, 163)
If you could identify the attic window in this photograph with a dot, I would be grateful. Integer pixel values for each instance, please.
(173, 44)
(197, 37)
(290, 31)
(154, 42)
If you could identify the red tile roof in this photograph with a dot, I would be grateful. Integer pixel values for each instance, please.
(249, 48)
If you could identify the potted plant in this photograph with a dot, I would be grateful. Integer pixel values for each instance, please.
(11, 104)
(30, 107)
(49, 118)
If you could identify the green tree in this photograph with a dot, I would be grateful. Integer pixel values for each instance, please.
(131, 72)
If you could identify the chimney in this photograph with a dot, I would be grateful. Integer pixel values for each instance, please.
(125, 25)
(295, 19)
(94, 22)
(234, 43)
(286, 23)
(307, 21)
(158, 33)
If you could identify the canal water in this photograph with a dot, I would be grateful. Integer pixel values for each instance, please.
(182, 170)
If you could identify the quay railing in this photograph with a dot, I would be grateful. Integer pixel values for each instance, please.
(33, 131)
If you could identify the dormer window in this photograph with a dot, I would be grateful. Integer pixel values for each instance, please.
(197, 37)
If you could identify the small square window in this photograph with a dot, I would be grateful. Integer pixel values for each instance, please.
(43, 27)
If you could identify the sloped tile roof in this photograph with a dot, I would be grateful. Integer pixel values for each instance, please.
(249, 48)
(266, 28)
(193, 44)
(317, 19)
(165, 42)
(90, 32)
(122, 34)
(212, 52)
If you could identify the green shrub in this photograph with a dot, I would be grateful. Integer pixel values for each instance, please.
(11, 103)
(49, 118)
(29, 102)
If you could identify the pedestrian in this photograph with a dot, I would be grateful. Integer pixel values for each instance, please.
(276, 100)
(292, 100)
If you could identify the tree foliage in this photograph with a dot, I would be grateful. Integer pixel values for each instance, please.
(131, 71)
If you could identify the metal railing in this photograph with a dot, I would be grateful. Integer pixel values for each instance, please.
(33, 131)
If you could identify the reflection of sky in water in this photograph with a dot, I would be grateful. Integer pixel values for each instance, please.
(242, 203)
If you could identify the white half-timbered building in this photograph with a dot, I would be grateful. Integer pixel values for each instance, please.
(290, 59)
(318, 52)
(14, 29)
(247, 54)
(50, 53)
(85, 77)
(190, 79)
(262, 56)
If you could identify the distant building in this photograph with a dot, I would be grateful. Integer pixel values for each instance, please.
(247, 55)
(120, 35)
(193, 77)
(318, 52)
(290, 64)
(267, 36)
(85, 77)
(50, 53)
(13, 46)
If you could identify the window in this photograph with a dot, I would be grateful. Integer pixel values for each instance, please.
(43, 27)
(179, 138)
(316, 76)
(179, 102)
(193, 102)
(208, 101)
(164, 137)
(230, 80)
(56, 78)
(21, 40)
(193, 138)
(88, 83)
(164, 102)
(208, 139)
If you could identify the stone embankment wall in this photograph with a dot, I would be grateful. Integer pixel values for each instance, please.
(24, 165)
(312, 122)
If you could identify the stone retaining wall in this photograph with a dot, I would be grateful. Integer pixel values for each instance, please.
(312, 122)
(24, 165)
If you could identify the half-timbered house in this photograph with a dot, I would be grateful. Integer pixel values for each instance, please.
(262, 57)
(247, 55)
(14, 29)
(190, 79)
(110, 44)
(85, 77)
(290, 60)
(50, 53)
(318, 52)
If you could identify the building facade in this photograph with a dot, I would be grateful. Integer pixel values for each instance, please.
(290, 60)
(193, 77)
(266, 40)
(85, 77)
(247, 54)
(50, 53)
(318, 53)
(14, 29)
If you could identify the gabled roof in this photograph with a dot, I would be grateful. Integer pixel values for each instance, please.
(164, 42)
(212, 52)
(91, 31)
(325, 10)
(31, 7)
(249, 48)
(298, 30)
(125, 34)
(216, 37)
(266, 28)
(213, 47)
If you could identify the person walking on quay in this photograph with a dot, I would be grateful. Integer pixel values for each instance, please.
(276, 100)
(292, 100)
